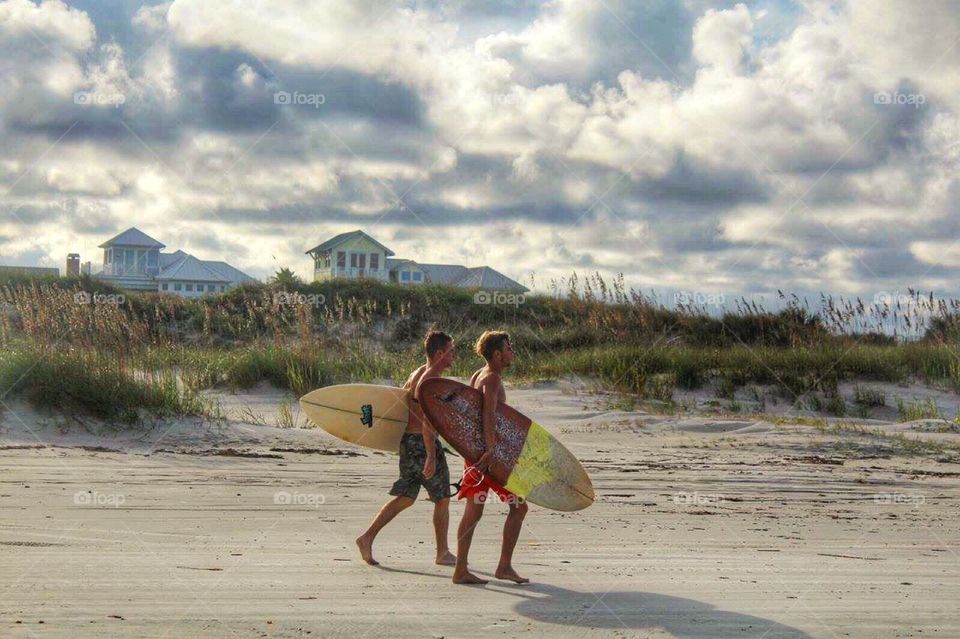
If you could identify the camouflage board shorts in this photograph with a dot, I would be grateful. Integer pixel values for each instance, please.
(413, 454)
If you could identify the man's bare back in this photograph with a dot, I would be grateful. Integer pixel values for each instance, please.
(479, 377)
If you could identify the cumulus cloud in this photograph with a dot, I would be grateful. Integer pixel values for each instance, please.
(729, 144)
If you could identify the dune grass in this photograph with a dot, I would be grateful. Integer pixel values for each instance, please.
(95, 385)
(77, 344)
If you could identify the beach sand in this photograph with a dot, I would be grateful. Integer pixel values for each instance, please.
(704, 526)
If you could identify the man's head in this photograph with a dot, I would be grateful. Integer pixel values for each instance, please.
(439, 348)
(495, 347)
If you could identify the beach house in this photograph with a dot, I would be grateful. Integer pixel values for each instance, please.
(355, 254)
(135, 261)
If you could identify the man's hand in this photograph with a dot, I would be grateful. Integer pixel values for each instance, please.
(429, 467)
(484, 461)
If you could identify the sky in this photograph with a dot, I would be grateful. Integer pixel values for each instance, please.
(717, 148)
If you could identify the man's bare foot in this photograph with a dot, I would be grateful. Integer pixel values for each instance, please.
(510, 574)
(366, 550)
(467, 577)
(447, 559)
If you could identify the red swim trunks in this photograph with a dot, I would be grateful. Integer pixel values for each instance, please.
(475, 485)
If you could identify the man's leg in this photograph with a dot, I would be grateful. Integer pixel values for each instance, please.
(390, 510)
(511, 532)
(471, 515)
(441, 524)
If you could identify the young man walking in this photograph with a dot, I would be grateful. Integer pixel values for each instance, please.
(495, 348)
(422, 462)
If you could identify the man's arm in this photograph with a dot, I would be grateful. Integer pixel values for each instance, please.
(429, 433)
(489, 387)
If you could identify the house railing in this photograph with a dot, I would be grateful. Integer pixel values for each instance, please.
(118, 270)
(378, 274)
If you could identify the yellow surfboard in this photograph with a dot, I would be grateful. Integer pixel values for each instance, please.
(527, 460)
(363, 414)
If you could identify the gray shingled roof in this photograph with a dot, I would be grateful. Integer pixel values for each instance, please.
(230, 272)
(166, 259)
(449, 274)
(132, 237)
(190, 268)
(486, 277)
(336, 240)
(461, 276)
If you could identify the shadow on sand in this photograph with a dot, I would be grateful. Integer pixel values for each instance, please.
(683, 618)
(679, 616)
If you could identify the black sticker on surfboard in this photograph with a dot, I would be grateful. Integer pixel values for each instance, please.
(366, 415)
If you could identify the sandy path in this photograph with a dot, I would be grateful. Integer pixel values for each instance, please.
(744, 531)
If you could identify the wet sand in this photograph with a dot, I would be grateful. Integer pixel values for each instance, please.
(704, 527)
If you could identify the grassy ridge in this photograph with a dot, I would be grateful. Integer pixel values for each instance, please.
(81, 345)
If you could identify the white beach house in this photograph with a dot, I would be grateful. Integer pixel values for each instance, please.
(133, 260)
(356, 254)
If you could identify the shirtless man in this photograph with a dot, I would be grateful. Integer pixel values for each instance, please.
(422, 462)
(495, 348)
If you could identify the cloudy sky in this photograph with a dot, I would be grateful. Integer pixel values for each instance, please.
(696, 145)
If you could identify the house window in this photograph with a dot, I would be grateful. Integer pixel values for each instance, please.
(211, 288)
(176, 286)
(189, 288)
(404, 276)
(165, 286)
(417, 276)
(374, 261)
(130, 257)
(363, 260)
(341, 259)
(353, 260)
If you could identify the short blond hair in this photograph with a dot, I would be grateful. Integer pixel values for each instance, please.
(489, 342)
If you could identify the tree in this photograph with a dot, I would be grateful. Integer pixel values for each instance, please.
(286, 278)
